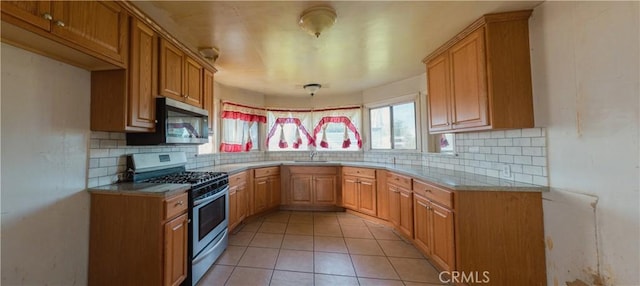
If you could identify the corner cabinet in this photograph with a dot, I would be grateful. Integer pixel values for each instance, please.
(138, 239)
(180, 75)
(124, 100)
(481, 79)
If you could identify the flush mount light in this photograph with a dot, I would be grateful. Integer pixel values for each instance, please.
(209, 53)
(312, 88)
(317, 19)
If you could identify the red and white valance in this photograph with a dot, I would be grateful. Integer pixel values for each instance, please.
(339, 126)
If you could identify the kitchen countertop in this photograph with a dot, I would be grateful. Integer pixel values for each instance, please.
(145, 189)
(454, 180)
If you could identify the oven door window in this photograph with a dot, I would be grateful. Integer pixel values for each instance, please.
(211, 215)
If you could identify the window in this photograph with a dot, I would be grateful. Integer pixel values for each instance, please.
(335, 129)
(445, 143)
(393, 127)
(240, 127)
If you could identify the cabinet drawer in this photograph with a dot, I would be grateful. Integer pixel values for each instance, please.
(269, 171)
(238, 179)
(399, 180)
(313, 170)
(360, 172)
(175, 205)
(433, 193)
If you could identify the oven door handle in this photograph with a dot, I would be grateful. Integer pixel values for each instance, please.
(211, 198)
(204, 254)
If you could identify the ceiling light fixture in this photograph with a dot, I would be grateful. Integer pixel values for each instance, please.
(312, 88)
(209, 53)
(317, 19)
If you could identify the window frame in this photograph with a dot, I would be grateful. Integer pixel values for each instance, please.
(411, 98)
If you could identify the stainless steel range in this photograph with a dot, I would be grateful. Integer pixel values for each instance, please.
(208, 204)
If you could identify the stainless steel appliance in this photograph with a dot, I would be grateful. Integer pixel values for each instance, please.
(177, 123)
(208, 205)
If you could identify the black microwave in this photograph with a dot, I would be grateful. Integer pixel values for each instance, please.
(177, 123)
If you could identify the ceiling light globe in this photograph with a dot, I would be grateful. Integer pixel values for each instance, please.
(315, 20)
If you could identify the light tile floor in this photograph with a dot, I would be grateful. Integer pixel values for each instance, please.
(318, 248)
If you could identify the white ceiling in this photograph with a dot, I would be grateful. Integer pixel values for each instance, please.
(372, 43)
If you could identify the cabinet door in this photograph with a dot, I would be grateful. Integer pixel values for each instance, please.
(100, 26)
(469, 82)
(350, 192)
(241, 202)
(260, 195)
(193, 82)
(301, 189)
(207, 93)
(438, 93)
(143, 76)
(442, 247)
(233, 206)
(406, 212)
(367, 196)
(324, 190)
(171, 70)
(421, 223)
(274, 192)
(394, 205)
(36, 13)
(175, 251)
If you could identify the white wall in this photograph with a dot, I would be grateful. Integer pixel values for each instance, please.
(45, 135)
(585, 61)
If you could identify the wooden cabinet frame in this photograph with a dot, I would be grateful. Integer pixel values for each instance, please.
(481, 78)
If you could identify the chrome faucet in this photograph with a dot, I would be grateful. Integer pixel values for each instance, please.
(313, 154)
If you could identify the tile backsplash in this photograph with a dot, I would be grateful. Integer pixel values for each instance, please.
(522, 151)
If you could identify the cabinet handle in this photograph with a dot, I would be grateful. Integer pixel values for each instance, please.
(60, 23)
(447, 124)
(47, 16)
(155, 121)
(179, 203)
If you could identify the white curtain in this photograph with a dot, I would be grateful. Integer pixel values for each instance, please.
(237, 121)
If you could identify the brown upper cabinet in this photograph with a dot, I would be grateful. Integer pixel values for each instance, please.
(180, 76)
(207, 99)
(124, 100)
(98, 28)
(481, 79)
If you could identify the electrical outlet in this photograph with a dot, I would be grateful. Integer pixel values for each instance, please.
(505, 172)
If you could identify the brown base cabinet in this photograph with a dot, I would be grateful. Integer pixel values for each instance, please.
(311, 186)
(500, 232)
(238, 198)
(400, 203)
(433, 230)
(138, 240)
(266, 189)
(359, 190)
